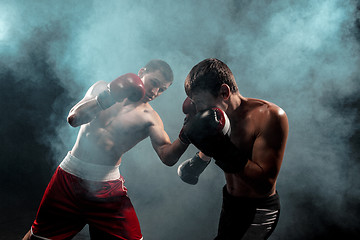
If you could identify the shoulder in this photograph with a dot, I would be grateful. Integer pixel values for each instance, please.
(273, 121)
(151, 116)
(268, 110)
(276, 114)
(154, 116)
(267, 116)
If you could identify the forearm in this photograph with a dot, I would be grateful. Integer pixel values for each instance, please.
(256, 176)
(171, 153)
(204, 157)
(83, 113)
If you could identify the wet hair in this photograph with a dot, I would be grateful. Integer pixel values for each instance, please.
(209, 75)
(162, 66)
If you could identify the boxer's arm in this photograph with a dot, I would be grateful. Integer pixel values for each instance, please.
(268, 150)
(87, 108)
(168, 152)
(99, 97)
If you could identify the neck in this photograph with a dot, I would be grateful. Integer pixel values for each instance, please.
(234, 102)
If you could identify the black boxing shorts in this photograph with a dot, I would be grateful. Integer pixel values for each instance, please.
(248, 218)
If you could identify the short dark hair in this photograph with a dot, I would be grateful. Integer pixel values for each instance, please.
(162, 66)
(209, 75)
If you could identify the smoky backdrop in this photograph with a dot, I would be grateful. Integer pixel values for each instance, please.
(301, 55)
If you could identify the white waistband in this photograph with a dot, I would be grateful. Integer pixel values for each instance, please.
(89, 171)
(32, 234)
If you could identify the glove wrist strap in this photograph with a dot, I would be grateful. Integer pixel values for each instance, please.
(105, 100)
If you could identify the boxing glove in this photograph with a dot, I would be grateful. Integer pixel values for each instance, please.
(128, 86)
(209, 131)
(190, 170)
(188, 107)
(189, 110)
(203, 128)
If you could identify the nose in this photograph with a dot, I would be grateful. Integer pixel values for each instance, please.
(155, 91)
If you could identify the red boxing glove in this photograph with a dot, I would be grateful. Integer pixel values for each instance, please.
(190, 110)
(189, 107)
(128, 86)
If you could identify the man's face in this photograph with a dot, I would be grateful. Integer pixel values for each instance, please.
(204, 100)
(155, 84)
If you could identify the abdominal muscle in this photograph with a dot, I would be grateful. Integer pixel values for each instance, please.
(238, 187)
(99, 149)
(105, 144)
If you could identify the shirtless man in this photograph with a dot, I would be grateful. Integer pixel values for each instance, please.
(87, 187)
(247, 139)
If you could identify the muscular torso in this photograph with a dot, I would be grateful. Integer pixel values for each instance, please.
(247, 125)
(112, 133)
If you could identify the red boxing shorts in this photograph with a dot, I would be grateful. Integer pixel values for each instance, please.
(70, 202)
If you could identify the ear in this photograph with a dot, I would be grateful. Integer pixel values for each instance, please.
(225, 91)
(141, 72)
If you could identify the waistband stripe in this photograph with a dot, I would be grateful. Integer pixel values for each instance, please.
(89, 171)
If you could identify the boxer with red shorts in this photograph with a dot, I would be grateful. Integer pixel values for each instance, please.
(75, 197)
(87, 187)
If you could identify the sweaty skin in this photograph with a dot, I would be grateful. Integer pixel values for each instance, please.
(259, 129)
(117, 129)
(105, 135)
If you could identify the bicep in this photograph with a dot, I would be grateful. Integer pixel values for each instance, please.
(265, 158)
(269, 146)
(158, 136)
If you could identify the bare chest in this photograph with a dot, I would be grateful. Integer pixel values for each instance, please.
(126, 125)
(243, 135)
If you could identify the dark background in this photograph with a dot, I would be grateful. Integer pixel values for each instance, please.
(301, 55)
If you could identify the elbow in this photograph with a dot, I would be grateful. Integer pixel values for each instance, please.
(72, 120)
(168, 161)
(168, 154)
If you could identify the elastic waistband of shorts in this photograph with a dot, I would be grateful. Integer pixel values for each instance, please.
(252, 201)
(89, 171)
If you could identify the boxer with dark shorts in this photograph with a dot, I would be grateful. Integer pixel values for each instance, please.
(246, 137)
(248, 217)
(87, 187)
